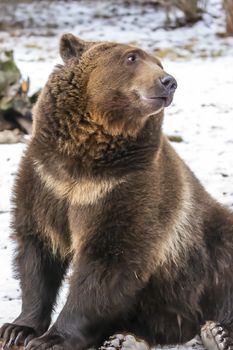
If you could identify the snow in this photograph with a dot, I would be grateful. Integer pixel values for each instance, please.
(202, 111)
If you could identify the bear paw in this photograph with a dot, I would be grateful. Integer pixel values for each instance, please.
(124, 342)
(13, 334)
(216, 337)
(49, 341)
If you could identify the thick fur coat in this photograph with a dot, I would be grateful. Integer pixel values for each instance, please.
(101, 188)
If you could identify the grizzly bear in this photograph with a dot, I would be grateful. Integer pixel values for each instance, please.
(101, 189)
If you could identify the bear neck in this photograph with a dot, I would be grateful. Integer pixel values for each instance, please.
(88, 147)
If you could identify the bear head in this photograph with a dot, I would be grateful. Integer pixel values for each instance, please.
(121, 85)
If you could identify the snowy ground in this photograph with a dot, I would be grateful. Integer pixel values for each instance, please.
(202, 112)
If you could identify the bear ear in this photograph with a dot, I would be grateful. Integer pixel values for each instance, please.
(71, 46)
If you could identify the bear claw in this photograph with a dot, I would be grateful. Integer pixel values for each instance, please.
(12, 334)
(216, 337)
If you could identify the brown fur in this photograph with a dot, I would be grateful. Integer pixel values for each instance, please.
(100, 186)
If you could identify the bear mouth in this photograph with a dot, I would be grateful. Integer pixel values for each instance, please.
(164, 101)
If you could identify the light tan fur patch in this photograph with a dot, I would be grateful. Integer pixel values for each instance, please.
(178, 237)
(81, 192)
(56, 244)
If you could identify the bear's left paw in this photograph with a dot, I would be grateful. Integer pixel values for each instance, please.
(48, 342)
(124, 342)
(215, 337)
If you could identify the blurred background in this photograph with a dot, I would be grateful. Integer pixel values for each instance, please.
(194, 40)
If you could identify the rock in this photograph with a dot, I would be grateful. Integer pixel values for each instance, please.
(11, 136)
(175, 138)
(10, 75)
(15, 104)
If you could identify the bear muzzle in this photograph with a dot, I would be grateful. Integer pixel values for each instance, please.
(165, 89)
(168, 86)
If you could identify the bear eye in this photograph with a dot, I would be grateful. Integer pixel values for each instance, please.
(132, 57)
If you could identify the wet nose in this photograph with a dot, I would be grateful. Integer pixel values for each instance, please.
(169, 83)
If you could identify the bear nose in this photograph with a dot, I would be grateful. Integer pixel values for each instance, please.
(169, 83)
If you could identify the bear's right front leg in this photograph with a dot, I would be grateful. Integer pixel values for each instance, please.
(40, 275)
(99, 295)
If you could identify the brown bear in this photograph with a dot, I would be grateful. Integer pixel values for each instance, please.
(101, 189)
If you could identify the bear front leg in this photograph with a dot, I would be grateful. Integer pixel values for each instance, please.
(216, 337)
(40, 275)
(99, 295)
